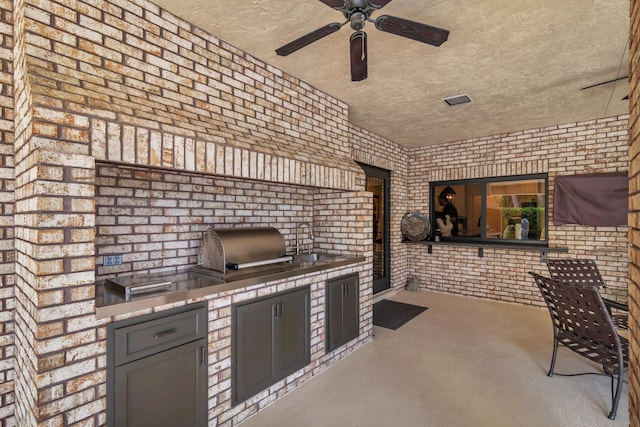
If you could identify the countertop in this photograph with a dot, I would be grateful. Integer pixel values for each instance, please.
(195, 283)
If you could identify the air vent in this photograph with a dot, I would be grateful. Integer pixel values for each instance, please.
(456, 100)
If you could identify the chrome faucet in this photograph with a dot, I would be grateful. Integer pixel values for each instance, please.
(298, 227)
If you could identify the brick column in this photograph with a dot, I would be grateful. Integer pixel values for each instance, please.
(7, 301)
(59, 375)
(57, 341)
(634, 218)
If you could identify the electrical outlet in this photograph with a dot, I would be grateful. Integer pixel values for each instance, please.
(109, 260)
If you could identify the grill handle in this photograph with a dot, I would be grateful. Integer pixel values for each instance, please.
(234, 266)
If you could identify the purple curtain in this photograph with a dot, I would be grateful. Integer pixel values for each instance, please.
(594, 199)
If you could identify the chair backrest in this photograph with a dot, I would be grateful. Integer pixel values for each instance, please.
(576, 271)
(579, 314)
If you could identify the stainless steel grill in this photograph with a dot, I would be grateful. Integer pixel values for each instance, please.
(225, 251)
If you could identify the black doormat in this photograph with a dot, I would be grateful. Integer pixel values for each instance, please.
(392, 314)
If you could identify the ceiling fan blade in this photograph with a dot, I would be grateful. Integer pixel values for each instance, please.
(378, 4)
(336, 4)
(413, 30)
(308, 39)
(358, 56)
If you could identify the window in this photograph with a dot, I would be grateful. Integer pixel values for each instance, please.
(509, 208)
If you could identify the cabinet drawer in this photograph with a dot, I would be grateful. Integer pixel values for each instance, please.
(151, 336)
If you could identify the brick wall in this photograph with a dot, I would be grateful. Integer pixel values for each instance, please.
(7, 302)
(597, 146)
(155, 218)
(634, 218)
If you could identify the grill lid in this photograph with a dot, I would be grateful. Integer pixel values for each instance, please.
(236, 248)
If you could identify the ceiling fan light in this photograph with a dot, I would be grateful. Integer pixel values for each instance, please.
(457, 100)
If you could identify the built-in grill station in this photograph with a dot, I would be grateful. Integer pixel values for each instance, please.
(239, 252)
(228, 255)
(228, 259)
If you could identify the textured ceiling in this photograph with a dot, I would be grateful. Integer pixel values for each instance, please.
(522, 62)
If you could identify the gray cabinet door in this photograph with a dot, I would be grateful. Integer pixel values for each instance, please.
(270, 340)
(350, 309)
(342, 311)
(168, 389)
(253, 352)
(292, 341)
(334, 314)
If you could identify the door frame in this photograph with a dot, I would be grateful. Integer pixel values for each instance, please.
(383, 283)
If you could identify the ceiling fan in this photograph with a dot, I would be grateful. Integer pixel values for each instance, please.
(357, 12)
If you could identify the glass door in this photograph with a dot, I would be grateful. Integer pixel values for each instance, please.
(378, 183)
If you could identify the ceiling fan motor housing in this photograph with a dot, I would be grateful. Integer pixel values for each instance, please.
(357, 20)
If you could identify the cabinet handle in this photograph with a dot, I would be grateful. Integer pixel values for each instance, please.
(165, 333)
(203, 356)
(278, 310)
(345, 289)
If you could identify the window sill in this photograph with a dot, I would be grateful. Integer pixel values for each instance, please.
(543, 248)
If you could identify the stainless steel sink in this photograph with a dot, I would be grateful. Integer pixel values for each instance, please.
(312, 257)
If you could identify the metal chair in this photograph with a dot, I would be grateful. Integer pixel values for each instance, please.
(576, 271)
(584, 272)
(582, 323)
